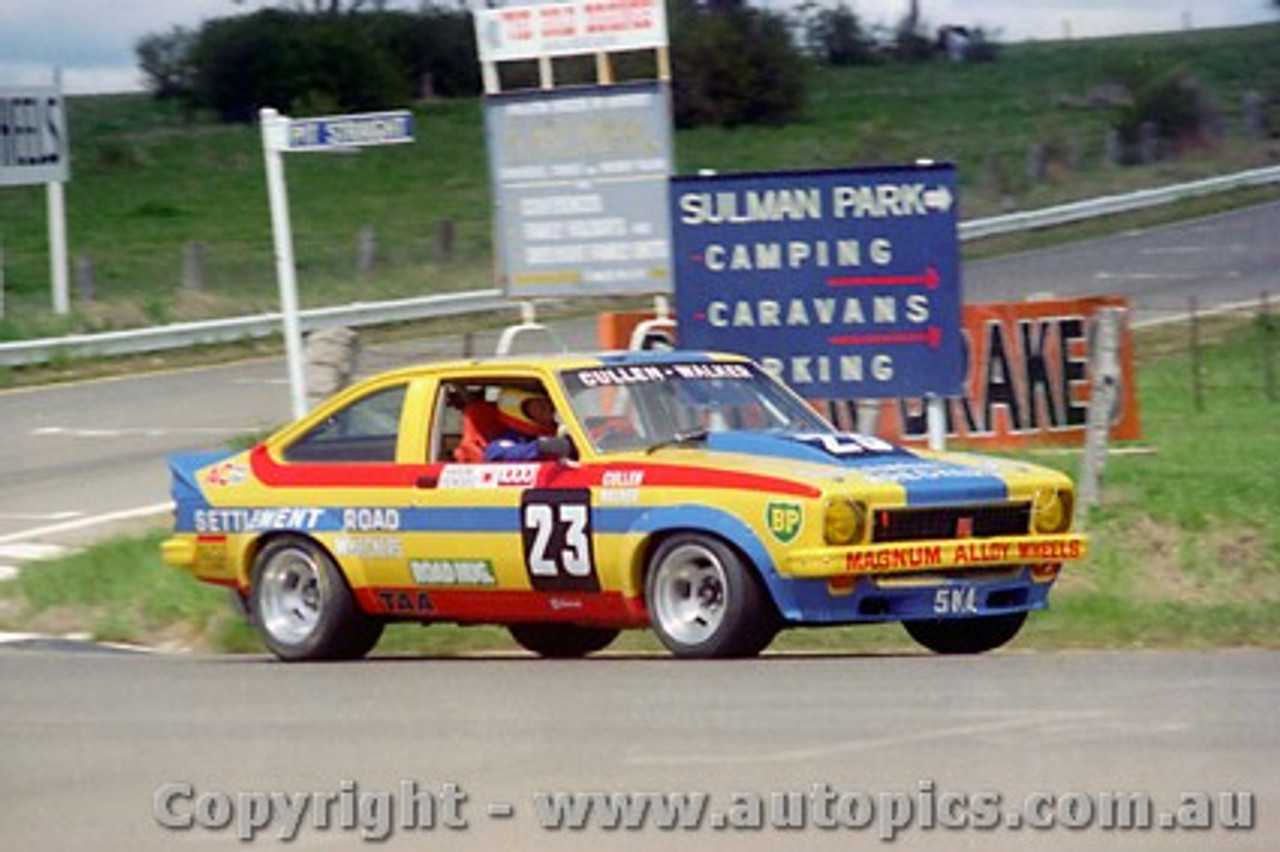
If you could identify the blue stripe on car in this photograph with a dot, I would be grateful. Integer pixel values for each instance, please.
(934, 483)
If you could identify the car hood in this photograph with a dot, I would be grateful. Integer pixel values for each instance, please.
(847, 459)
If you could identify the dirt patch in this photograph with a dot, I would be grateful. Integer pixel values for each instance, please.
(1218, 566)
(1151, 345)
(113, 314)
(54, 621)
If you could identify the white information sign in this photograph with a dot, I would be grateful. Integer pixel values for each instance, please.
(564, 29)
(33, 136)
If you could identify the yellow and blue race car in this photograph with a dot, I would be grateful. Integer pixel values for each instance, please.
(571, 497)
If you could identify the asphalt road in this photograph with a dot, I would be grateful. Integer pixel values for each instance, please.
(83, 459)
(99, 749)
(1230, 258)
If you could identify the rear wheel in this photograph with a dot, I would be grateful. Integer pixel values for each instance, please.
(704, 602)
(303, 608)
(966, 635)
(562, 641)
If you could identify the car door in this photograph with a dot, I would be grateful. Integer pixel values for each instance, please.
(497, 540)
(354, 471)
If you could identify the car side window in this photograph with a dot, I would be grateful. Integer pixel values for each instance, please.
(470, 416)
(448, 430)
(364, 431)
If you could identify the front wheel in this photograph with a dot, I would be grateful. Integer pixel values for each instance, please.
(704, 602)
(966, 635)
(562, 641)
(302, 606)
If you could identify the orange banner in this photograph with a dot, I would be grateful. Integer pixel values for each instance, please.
(1028, 381)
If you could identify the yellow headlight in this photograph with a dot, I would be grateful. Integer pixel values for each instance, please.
(844, 523)
(1051, 510)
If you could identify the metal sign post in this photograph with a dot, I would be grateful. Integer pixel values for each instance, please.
(326, 133)
(275, 129)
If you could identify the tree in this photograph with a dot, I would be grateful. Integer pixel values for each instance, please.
(733, 64)
(293, 61)
(836, 36)
(309, 58)
(434, 49)
(328, 7)
(910, 43)
(165, 58)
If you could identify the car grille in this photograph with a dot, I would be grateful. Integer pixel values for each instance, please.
(945, 522)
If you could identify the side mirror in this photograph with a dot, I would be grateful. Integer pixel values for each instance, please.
(555, 447)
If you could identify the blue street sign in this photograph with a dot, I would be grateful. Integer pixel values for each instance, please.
(350, 131)
(845, 284)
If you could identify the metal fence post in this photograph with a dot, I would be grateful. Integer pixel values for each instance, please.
(1197, 373)
(1268, 350)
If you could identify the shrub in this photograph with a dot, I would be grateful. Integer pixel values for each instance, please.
(837, 37)
(1173, 102)
(290, 59)
(734, 65)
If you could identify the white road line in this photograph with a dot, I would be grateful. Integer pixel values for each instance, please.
(1229, 308)
(128, 431)
(87, 521)
(7, 638)
(1164, 276)
(23, 552)
(27, 551)
(1158, 250)
(77, 638)
(39, 516)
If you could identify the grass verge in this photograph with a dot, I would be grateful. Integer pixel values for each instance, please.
(1186, 545)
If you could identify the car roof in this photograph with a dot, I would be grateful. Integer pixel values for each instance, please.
(558, 361)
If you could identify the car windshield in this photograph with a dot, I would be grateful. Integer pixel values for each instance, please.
(646, 405)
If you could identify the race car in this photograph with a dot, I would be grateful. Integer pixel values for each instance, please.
(571, 497)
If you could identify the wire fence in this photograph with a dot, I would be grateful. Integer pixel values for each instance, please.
(1225, 355)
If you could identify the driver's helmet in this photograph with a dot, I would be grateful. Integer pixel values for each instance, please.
(514, 412)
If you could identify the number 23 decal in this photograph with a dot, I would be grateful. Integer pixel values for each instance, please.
(555, 529)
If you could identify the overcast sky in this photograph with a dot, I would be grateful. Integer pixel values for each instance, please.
(93, 42)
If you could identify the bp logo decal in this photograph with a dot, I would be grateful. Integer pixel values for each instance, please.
(784, 520)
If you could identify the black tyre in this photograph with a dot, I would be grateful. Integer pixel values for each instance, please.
(302, 607)
(704, 602)
(966, 635)
(562, 641)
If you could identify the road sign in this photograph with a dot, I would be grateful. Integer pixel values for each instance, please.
(843, 283)
(280, 135)
(34, 149)
(350, 131)
(33, 136)
(580, 187)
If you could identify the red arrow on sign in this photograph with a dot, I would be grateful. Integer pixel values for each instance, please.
(929, 278)
(932, 337)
